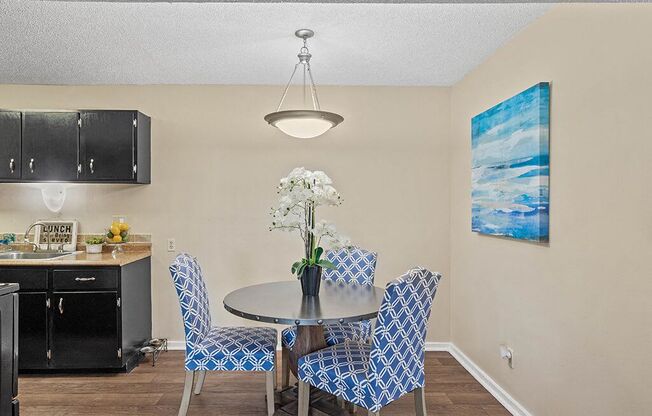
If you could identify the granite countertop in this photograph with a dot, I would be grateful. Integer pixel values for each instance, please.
(81, 258)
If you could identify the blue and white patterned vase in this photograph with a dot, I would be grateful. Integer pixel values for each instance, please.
(311, 280)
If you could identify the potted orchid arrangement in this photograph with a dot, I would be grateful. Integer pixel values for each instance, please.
(300, 193)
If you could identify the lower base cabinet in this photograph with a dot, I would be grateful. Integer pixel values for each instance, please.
(33, 329)
(90, 318)
(85, 330)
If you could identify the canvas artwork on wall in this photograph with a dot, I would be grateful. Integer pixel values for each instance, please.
(510, 146)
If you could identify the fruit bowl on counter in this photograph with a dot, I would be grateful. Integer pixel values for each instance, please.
(118, 233)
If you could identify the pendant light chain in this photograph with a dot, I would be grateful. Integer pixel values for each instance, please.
(313, 90)
(304, 60)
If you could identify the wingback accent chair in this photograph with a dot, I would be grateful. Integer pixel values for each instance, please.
(353, 265)
(372, 376)
(213, 348)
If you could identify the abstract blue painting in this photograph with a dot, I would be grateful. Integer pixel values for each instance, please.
(511, 168)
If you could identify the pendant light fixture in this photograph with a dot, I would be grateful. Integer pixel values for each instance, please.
(306, 123)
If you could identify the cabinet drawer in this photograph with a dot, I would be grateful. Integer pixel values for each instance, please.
(85, 279)
(28, 279)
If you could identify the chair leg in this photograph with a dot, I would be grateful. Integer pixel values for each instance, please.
(370, 413)
(200, 382)
(269, 382)
(304, 398)
(187, 393)
(340, 403)
(420, 402)
(285, 368)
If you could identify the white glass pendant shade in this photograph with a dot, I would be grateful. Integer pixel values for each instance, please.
(303, 124)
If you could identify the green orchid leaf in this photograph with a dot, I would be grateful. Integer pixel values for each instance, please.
(300, 269)
(318, 252)
(326, 264)
(295, 266)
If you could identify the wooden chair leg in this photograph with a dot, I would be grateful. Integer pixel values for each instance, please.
(304, 398)
(341, 403)
(285, 368)
(420, 402)
(200, 382)
(187, 393)
(269, 382)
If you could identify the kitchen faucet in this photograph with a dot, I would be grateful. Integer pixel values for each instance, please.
(44, 227)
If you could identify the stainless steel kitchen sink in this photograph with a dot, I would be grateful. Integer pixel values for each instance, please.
(19, 255)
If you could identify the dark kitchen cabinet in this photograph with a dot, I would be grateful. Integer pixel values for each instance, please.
(92, 318)
(85, 330)
(114, 146)
(32, 315)
(10, 136)
(101, 146)
(33, 338)
(8, 349)
(50, 146)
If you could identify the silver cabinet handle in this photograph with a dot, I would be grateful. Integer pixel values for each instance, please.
(90, 166)
(61, 306)
(84, 279)
(12, 165)
(31, 166)
(78, 168)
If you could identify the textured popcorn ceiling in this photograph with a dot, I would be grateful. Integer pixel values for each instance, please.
(52, 42)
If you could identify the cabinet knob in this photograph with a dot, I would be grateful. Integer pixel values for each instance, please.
(31, 165)
(90, 165)
(12, 165)
(61, 306)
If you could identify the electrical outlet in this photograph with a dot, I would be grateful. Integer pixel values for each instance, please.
(507, 353)
(172, 244)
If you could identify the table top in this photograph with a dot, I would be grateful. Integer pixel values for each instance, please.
(283, 303)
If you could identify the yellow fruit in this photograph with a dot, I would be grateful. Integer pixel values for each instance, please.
(124, 226)
(115, 230)
(117, 238)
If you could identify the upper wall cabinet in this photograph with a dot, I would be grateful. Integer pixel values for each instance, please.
(50, 146)
(114, 146)
(102, 146)
(10, 127)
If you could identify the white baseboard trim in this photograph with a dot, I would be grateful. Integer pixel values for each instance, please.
(504, 398)
(176, 345)
(489, 383)
(438, 346)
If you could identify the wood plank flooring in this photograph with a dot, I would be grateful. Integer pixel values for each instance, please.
(156, 391)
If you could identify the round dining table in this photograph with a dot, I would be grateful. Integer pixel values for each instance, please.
(284, 303)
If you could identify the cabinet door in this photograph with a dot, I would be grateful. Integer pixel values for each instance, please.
(33, 331)
(7, 304)
(10, 125)
(50, 146)
(107, 145)
(84, 330)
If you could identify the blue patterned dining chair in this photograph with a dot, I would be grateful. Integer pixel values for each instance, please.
(213, 348)
(353, 265)
(372, 376)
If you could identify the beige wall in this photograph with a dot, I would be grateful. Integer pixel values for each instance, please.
(578, 312)
(216, 164)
